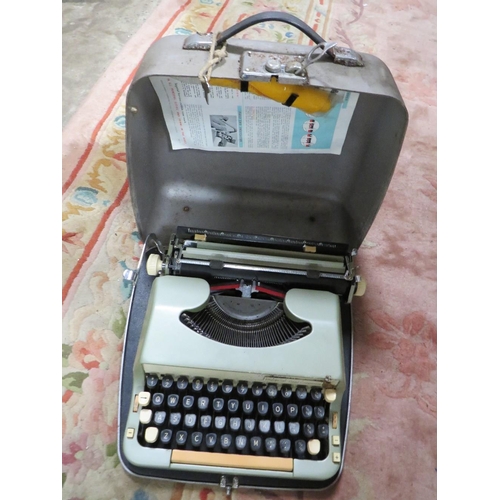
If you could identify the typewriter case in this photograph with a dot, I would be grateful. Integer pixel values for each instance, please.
(302, 198)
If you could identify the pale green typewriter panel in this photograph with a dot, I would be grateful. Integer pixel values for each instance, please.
(169, 347)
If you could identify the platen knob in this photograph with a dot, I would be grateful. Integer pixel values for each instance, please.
(360, 288)
(153, 265)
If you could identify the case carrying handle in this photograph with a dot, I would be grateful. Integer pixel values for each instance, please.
(283, 17)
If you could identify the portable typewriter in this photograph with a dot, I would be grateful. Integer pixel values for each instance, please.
(237, 359)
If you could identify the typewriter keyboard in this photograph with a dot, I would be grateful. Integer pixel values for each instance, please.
(232, 423)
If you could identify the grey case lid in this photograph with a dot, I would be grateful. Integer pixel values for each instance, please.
(314, 197)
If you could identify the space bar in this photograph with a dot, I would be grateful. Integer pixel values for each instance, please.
(228, 460)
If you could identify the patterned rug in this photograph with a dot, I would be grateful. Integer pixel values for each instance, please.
(391, 452)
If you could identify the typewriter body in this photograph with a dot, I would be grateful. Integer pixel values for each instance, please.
(237, 359)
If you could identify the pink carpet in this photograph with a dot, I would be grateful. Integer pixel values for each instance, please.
(391, 451)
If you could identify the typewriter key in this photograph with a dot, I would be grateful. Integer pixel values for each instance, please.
(247, 407)
(301, 393)
(227, 386)
(189, 420)
(264, 426)
(203, 403)
(212, 385)
(262, 408)
(182, 383)
(307, 411)
(220, 422)
(279, 427)
(285, 445)
(197, 384)
(242, 388)
(211, 440)
(270, 445)
(225, 441)
(196, 439)
(233, 405)
(166, 436)
(308, 430)
(151, 381)
(323, 431)
(257, 390)
(158, 399)
(160, 417)
(167, 382)
(241, 442)
(181, 437)
(235, 423)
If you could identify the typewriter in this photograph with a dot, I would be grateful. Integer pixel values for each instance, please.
(237, 359)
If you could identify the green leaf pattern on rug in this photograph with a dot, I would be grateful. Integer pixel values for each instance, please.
(73, 381)
(118, 324)
(66, 351)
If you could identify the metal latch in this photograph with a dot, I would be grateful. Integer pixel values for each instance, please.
(225, 484)
(264, 66)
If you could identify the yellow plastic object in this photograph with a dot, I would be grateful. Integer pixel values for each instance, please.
(311, 100)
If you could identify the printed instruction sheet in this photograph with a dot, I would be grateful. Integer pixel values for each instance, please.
(247, 122)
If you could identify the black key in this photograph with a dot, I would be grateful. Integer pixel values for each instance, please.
(257, 389)
(218, 404)
(307, 411)
(220, 422)
(196, 439)
(319, 412)
(206, 421)
(241, 442)
(301, 393)
(292, 410)
(264, 426)
(316, 394)
(262, 408)
(160, 417)
(212, 385)
(242, 388)
(190, 420)
(182, 383)
(175, 418)
(255, 443)
(247, 407)
(249, 424)
(227, 386)
(203, 403)
(173, 400)
(285, 445)
(225, 441)
(293, 428)
(308, 430)
(286, 391)
(197, 384)
(271, 391)
(151, 381)
(323, 431)
(270, 445)
(181, 437)
(277, 409)
(279, 427)
(300, 447)
(211, 440)
(157, 399)
(232, 405)
(167, 382)
(188, 402)
(235, 423)
(166, 436)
